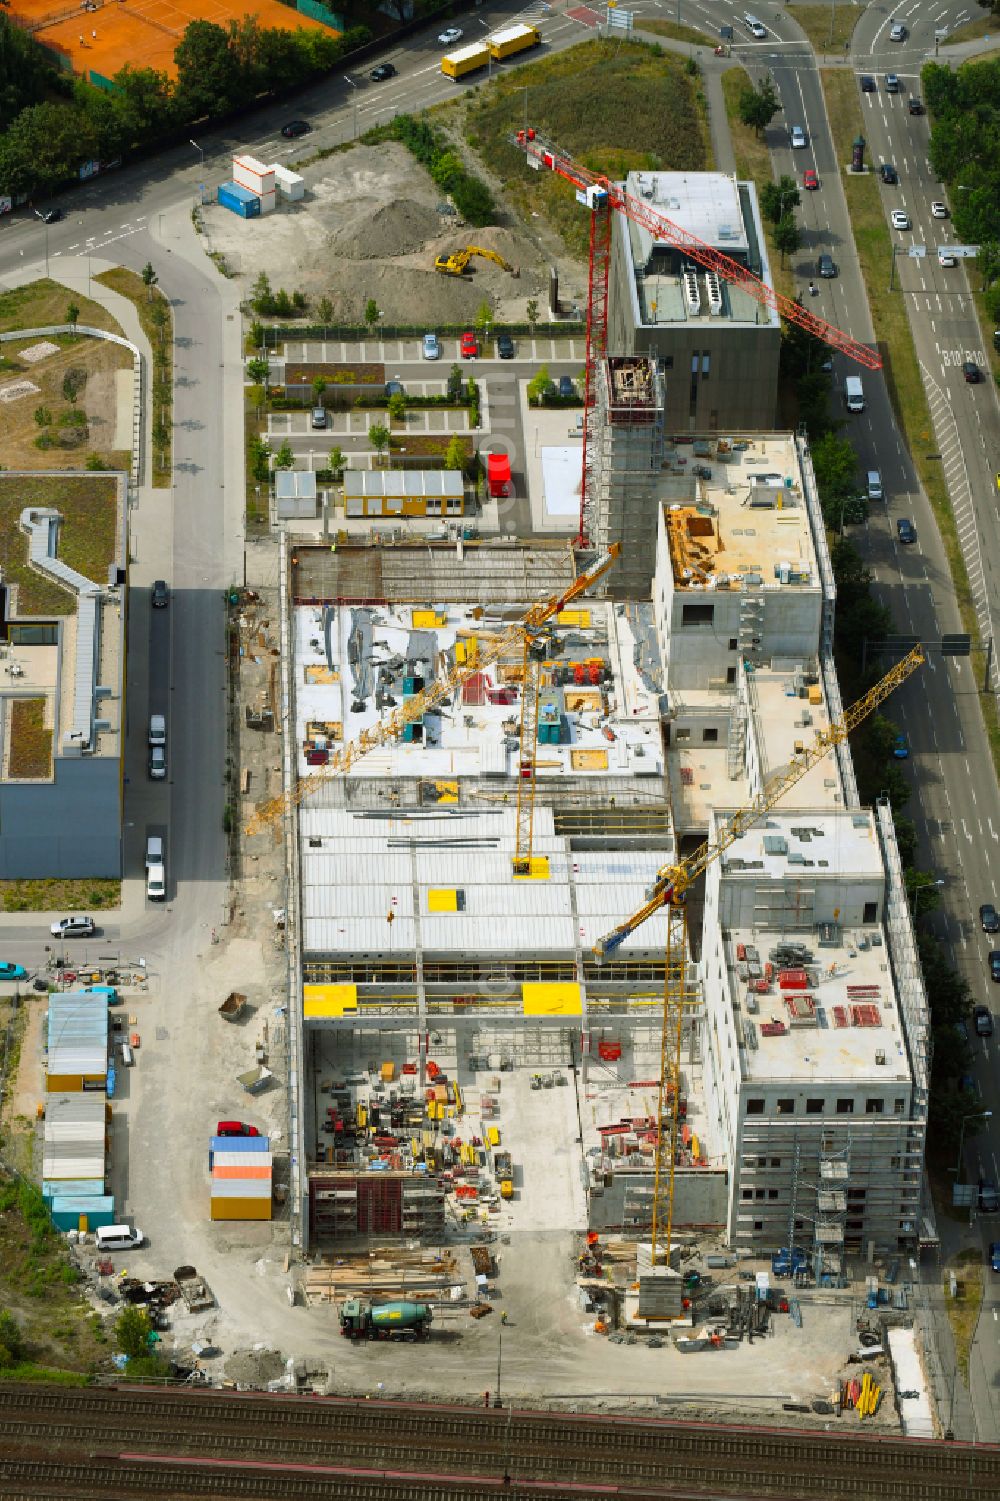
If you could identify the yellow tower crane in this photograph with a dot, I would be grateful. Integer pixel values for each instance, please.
(524, 634)
(669, 891)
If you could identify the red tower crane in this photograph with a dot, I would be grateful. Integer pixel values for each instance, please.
(602, 196)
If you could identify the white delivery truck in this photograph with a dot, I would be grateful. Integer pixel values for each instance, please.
(854, 393)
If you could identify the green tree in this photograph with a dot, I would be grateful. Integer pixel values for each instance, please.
(324, 311)
(923, 892)
(132, 1331)
(149, 280)
(44, 145)
(787, 236)
(260, 455)
(455, 455)
(337, 463)
(319, 386)
(379, 437)
(159, 317)
(283, 304)
(144, 102)
(11, 1339)
(255, 337)
(161, 438)
(43, 416)
(73, 383)
(262, 297)
(540, 384)
(988, 261)
(371, 313)
(397, 406)
(483, 320)
(776, 198)
(25, 74)
(299, 301)
(209, 80)
(258, 370)
(72, 314)
(758, 107)
(531, 311)
(835, 466)
(284, 458)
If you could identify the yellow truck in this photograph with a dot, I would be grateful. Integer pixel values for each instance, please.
(465, 60)
(513, 39)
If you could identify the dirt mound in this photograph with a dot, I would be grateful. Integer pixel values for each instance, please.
(394, 229)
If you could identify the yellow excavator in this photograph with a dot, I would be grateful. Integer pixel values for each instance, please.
(456, 263)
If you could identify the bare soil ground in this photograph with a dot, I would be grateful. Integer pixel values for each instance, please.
(371, 226)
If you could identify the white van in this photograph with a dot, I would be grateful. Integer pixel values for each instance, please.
(157, 729)
(156, 883)
(854, 394)
(118, 1238)
(154, 850)
(874, 485)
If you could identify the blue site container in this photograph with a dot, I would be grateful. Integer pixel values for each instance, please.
(239, 200)
(66, 1213)
(236, 1144)
(72, 1188)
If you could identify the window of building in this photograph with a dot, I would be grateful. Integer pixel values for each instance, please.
(733, 643)
(800, 1224)
(698, 615)
(898, 1107)
(845, 1107)
(746, 1193)
(34, 635)
(814, 1107)
(870, 912)
(762, 1162)
(730, 675)
(683, 734)
(755, 1107)
(433, 508)
(772, 1193)
(857, 1193)
(709, 736)
(894, 1163)
(786, 1107)
(775, 1161)
(706, 364)
(454, 505)
(758, 1193)
(667, 362)
(874, 1107)
(758, 1224)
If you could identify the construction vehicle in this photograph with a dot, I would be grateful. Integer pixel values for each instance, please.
(602, 196)
(360, 1319)
(503, 1172)
(669, 892)
(526, 635)
(456, 263)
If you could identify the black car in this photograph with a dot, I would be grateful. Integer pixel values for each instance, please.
(867, 83)
(972, 372)
(989, 918)
(983, 1020)
(161, 595)
(995, 966)
(826, 267)
(296, 128)
(382, 72)
(989, 1199)
(888, 173)
(50, 216)
(394, 388)
(916, 107)
(505, 346)
(906, 532)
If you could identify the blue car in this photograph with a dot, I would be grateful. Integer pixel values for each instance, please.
(995, 1255)
(900, 748)
(12, 972)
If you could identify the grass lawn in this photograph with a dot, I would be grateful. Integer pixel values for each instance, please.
(815, 22)
(678, 33)
(71, 413)
(963, 1311)
(45, 302)
(753, 161)
(981, 26)
(87, 538)
(60, 896)
(615, 106)
(30, 739)
(895, 343)
(157, 321)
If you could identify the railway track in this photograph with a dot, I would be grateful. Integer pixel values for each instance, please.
(257, 1440)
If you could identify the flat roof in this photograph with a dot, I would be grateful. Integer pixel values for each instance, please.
(403, 483)
(385, 884)
(598, 712)
(748, 525)
(706, 204)
(844, 843)
(77, 1035)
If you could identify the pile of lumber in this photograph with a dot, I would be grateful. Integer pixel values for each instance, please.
(384, 1273)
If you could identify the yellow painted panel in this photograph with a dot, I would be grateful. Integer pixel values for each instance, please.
(588, 760)
(67, 1083)
(574, 617)
(442, 899)
(427, 620)
(538, 871)
(241, 1209)
(548, 998)
(493, 1136)
(328, 1000)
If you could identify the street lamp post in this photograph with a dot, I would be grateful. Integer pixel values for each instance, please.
(200, 150)
(982, 1115)
(489, 54)
(354, 96)
(913, 892)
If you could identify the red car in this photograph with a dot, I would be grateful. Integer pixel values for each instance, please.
(469, 346)
(235, 1128)
(809, 178)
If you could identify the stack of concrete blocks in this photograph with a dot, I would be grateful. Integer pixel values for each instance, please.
(251, 174)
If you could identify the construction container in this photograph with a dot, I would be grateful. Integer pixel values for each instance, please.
(513, 39)
(388, 1071)
(465, 60)
(72, 1188)
(82, 1213)
(241, 1209)
(238, 200)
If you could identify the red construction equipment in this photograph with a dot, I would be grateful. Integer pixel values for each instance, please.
(601, 195)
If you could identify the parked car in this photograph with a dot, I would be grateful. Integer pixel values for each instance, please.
(161, 595)
(867, 83)
(901, 748)
(995, 1255)
(394, 388)
(995, 966)
(295, 128)
(939, 210)
(318, 419)
(382, 72)
(12, 971)
(983, 1021)
(798, 137)
(156, 883)
(897, 32)
(825, 266)
(888, 174)
(566, 386)
(450, 35)
(946, 257)
(154, 850)
(505, 346)
(157, 765)
(77, 926)
(972, 372)
(989, 1199)
(157, 729)
(431, 347)
(235, 1128)
(900, 219)
(810, 181)
(49, 215)
(468, 345)
(905, 530)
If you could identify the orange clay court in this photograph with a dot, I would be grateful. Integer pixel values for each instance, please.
(143, 33)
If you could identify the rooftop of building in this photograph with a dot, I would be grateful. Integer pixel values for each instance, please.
(443, 882)
(790, 842)
(715, 209)
(747, 526)
(598, 713)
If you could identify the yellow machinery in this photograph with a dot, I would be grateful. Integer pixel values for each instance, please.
(669, 891)
(525, 634)
(456, 263)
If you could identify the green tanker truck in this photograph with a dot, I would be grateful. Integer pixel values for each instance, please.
(362, 1320)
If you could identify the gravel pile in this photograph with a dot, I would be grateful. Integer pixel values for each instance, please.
(255, 1367)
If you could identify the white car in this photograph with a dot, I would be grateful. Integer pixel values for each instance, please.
(73, 927)
(156, 883)
(900, 219)
(453, 34)
(939, 210)
(432, 349)
(946, 257)
(798, 136)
